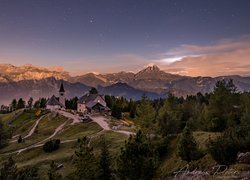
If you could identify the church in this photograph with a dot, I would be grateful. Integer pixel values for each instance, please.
(54, 102)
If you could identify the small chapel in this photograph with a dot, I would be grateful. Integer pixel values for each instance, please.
(54, 102)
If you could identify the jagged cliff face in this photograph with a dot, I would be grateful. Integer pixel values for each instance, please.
(10, 73)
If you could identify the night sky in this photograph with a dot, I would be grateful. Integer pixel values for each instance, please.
(190, 37)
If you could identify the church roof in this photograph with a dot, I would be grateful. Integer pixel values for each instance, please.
(61, 88)
(54, 102)
(87, 98)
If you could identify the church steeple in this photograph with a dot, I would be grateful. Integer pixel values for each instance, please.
(62, 95)
(61, 88)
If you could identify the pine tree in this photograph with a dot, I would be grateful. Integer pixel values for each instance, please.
(14, 105)
(30, 102)
(187, 147)
(20, 104)
(9, 170)
(146, 115)
(116, 111)
(93, 91)
(52, 174)
(43, 102)
(85, 163)
(137, 160)
(132, 111)
(4, 135)
(105, 164)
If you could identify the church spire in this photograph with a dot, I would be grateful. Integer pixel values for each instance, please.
(61, 88)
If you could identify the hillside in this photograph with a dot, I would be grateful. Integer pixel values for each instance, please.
(26, 154)
(49, 122)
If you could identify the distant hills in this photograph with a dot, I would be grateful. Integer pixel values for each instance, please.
(29, 80)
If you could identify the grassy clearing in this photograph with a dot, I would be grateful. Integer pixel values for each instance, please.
(65, 154)
(46, 127)
(78, 131)
(6, 117)
(202, 138)
(114, 141)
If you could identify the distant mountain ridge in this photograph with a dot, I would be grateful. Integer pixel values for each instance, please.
(29, 80)
(10, 73)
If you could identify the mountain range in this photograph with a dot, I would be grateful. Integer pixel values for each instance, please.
(31, 81)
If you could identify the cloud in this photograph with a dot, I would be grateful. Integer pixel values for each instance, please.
(226, 57)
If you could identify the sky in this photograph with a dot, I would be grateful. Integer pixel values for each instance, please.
(187, 37)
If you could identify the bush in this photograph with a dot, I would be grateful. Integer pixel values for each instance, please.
(51, 145)
(20, 139)
(223, 150)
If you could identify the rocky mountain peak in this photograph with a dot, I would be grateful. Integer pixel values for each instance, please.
(153, 68)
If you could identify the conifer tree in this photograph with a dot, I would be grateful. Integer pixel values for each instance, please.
(137, 160)
(146, 115)
(187, 147)
(105, 162)
(52, 174)
(85, 163)
(9, 170)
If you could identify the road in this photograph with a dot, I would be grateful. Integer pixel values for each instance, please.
(101, 121)
(74, 117)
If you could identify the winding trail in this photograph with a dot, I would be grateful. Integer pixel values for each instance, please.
(59, 128)
(34, 127)
(31, 132)
(100, 120)
(39, 144)
(75, 118)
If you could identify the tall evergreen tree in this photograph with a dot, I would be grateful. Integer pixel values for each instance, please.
(105, 162)
(85, 163)
(93, 91)
(146, 115)
(9, 170)
(43, 102)
(30, 102)
(20, 104)
(4, 135)
(137, 161)
(52, 174)
(187, 146)
(221, 106)
(14, 105)
(116, 111)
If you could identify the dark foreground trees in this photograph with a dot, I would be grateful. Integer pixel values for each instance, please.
(187, 146)
(86, 165)
(9, 170)
(4, 135)
(137, 159)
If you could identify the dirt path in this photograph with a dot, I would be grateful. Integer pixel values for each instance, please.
(101, 121)
(34, 128)
(75, 118)
(59, 128)
(31, 132)
(39, 144)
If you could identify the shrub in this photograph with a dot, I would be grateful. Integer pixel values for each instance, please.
(51, 145)
(223, 150)
(20, 139)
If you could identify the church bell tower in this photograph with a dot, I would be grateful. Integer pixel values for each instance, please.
(62, 95)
